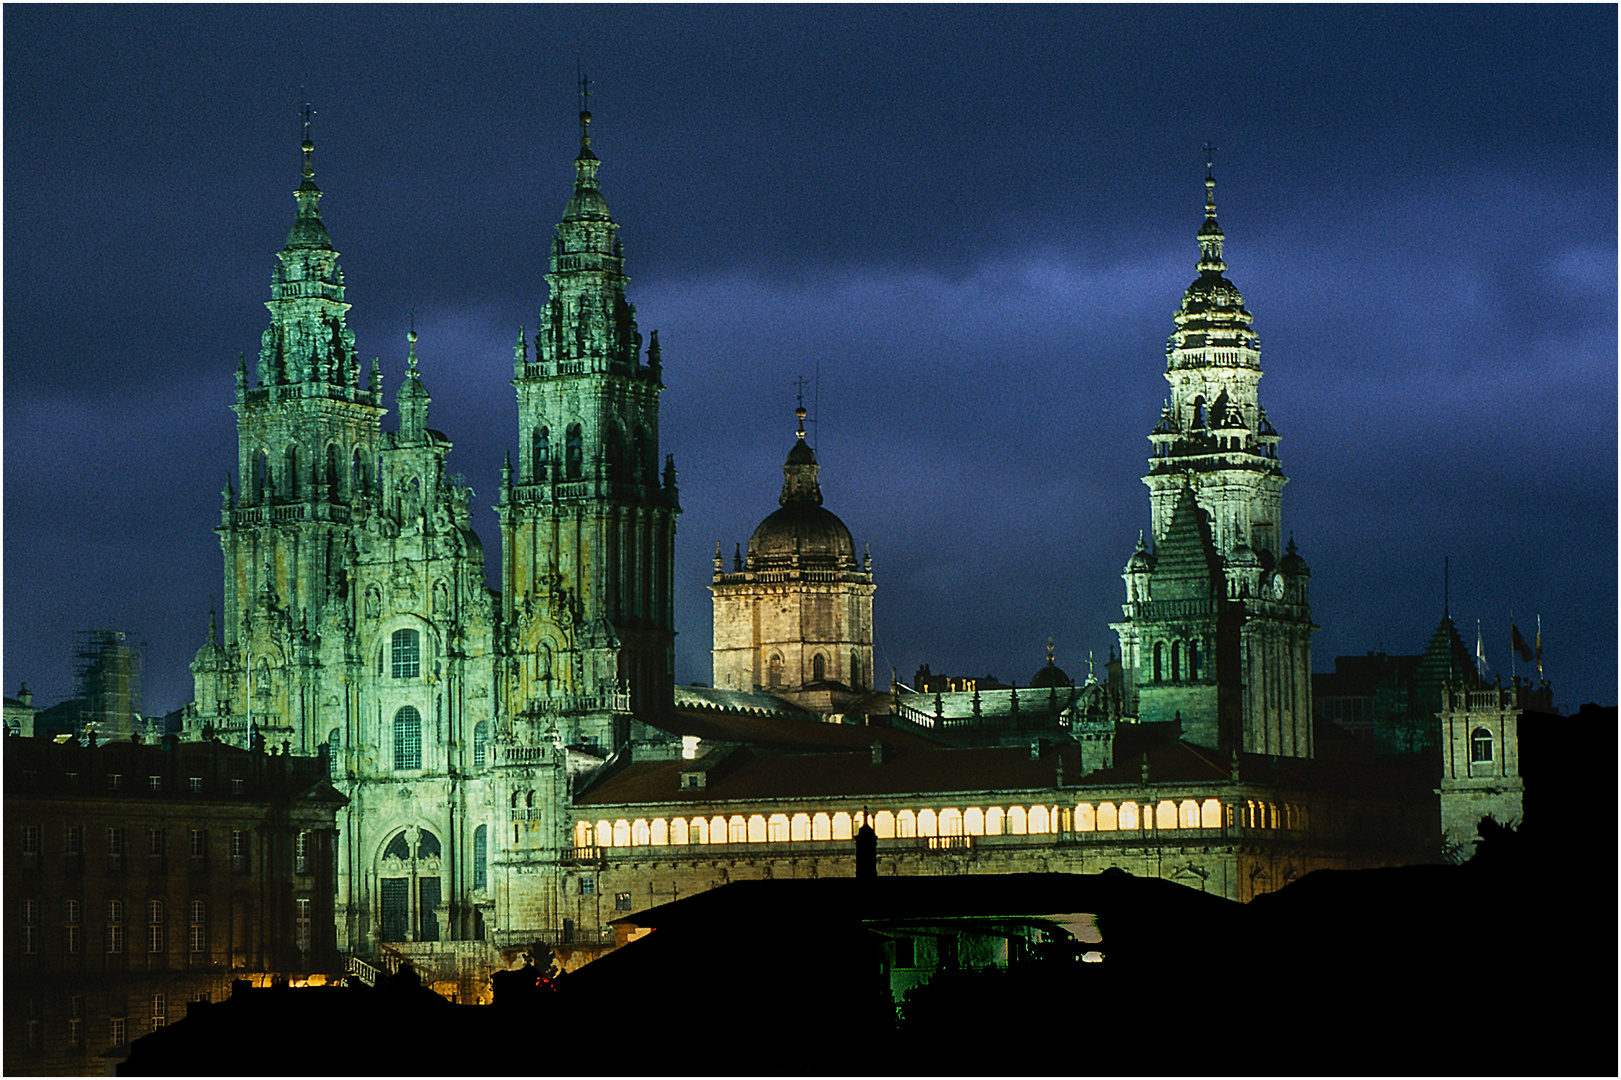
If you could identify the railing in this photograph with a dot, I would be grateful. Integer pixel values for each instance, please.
(518, 755)
(612, 701)
(362, 971)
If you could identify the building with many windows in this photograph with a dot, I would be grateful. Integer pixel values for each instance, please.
(141, 877)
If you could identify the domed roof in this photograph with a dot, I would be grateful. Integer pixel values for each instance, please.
(1243, 555)
(1051, 675)
(1292, 563)
(803, 529)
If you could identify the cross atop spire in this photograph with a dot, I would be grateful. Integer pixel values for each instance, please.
(1209, 159)
(800, 410)
(308, 145)
(585, 113)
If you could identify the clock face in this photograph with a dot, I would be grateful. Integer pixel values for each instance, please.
(1277, 586)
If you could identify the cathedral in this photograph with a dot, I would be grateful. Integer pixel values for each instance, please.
(519, 765)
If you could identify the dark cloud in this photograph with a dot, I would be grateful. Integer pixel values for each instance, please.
(967, 226)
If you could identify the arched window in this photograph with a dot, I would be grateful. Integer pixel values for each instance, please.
(1198, 412)
(582, 834)
(640, 834)
(332, 473)
(1165, 814)
(573, 452)
(1086, 819)
(1038, 819)
(605, 834)
(659, 832)
(355, 483)
(883, 823)
(642, 461)
(995, 821)
(973, 821)
(1159, 661)
(821, 827)
(481, 857)
(290, 472)
(905, 824)
(1210, 814)
(334, 752)
(408, 738)
(1188, 814)
(1016, 820)
(1193, 660)
(777, 828)
(481, 741)
(261, 475)
(818, 667)
(1480, 745)
(1176, 661)
(855, 671)
(841, 826)
(405, 655)
(757, 829)
(678, 831)
(1128, 815)
(774, 670)
(717, 830)
(540, 455)
(799, 827)
(1108, 821)
(621, 833)
(700, 831)
(951, 822)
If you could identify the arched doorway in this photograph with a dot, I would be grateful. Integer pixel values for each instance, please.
(408, 877)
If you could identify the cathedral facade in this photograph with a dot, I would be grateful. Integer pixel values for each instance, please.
(519, 764)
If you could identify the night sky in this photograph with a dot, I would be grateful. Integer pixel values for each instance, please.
(966, 227)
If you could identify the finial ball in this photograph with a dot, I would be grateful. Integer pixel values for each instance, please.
(411, 336)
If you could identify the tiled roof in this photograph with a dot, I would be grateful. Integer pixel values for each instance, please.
(781, 732)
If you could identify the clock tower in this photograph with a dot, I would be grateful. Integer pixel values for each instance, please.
(1217, 627)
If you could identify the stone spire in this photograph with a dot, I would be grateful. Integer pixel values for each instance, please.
(412, 399)
(308, 342)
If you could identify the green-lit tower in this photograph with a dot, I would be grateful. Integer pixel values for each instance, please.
(1217, 628)
(587, 520)
(307, 436)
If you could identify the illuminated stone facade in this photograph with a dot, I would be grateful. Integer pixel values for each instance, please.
(795, 617)
(1480, 758)
(1217, 626)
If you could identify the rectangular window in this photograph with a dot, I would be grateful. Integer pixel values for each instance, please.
(30, 942)
(154, 843)
(119, 1027)
(301, 854)
(588, 886)
(75, 1031)
(159, 1011)
(154, 783)
(71, 780)
(301, 925)
(239, 850)
(35, 1037)
(115, 848)
(115, 781)
(196, 784)
(199, 926)
(199, 845)
(115, 926)
(154, 926)
(72, 918)
(622, 901)
(905, 953)
(31, 844)
(237, 786)
(73, 841)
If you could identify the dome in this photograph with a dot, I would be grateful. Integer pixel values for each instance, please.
(1051, 675)
(1243, 555)
(1141, 562)
(803, 529)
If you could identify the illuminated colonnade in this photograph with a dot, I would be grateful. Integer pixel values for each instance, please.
(1016, 820)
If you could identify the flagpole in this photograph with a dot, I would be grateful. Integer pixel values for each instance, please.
(1513, 653)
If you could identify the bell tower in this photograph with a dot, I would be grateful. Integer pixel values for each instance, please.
(307, 436)
(587, 521)
(1217, 629)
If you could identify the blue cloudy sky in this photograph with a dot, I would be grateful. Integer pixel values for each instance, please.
(967, 226)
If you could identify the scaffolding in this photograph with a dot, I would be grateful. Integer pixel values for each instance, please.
(107, 668)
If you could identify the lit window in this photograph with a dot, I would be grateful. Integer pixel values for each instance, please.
(1480, 745)
(605, 834)
(777, 828)
(1086, 819)
(926, 824)
(481, 741)
(757, 829)
(72, 917)
(115, 781)
(659, 832)
(950, 823)
(799, 827)
(408, 736)
(821, 827)
(154, 783)
(239, 849)
(481, 857)
(640, 834)
(717, 830)
(1128, 815)
(195, 783)
(621, 833)
(1188, 814)
(700, 831)
(1015, 820)
(883, 823)
(1038, 819)
(678, 831)
(622, 901)
(1210, 814)
(160, 1011)
(154, 926)
(841, 826)
(995, 821)
(1107, 819)
(405, 654)
(1165, 814)
(301, 924)
(737, 830)
(905, 824)
(118, 1030)
(973, 821)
